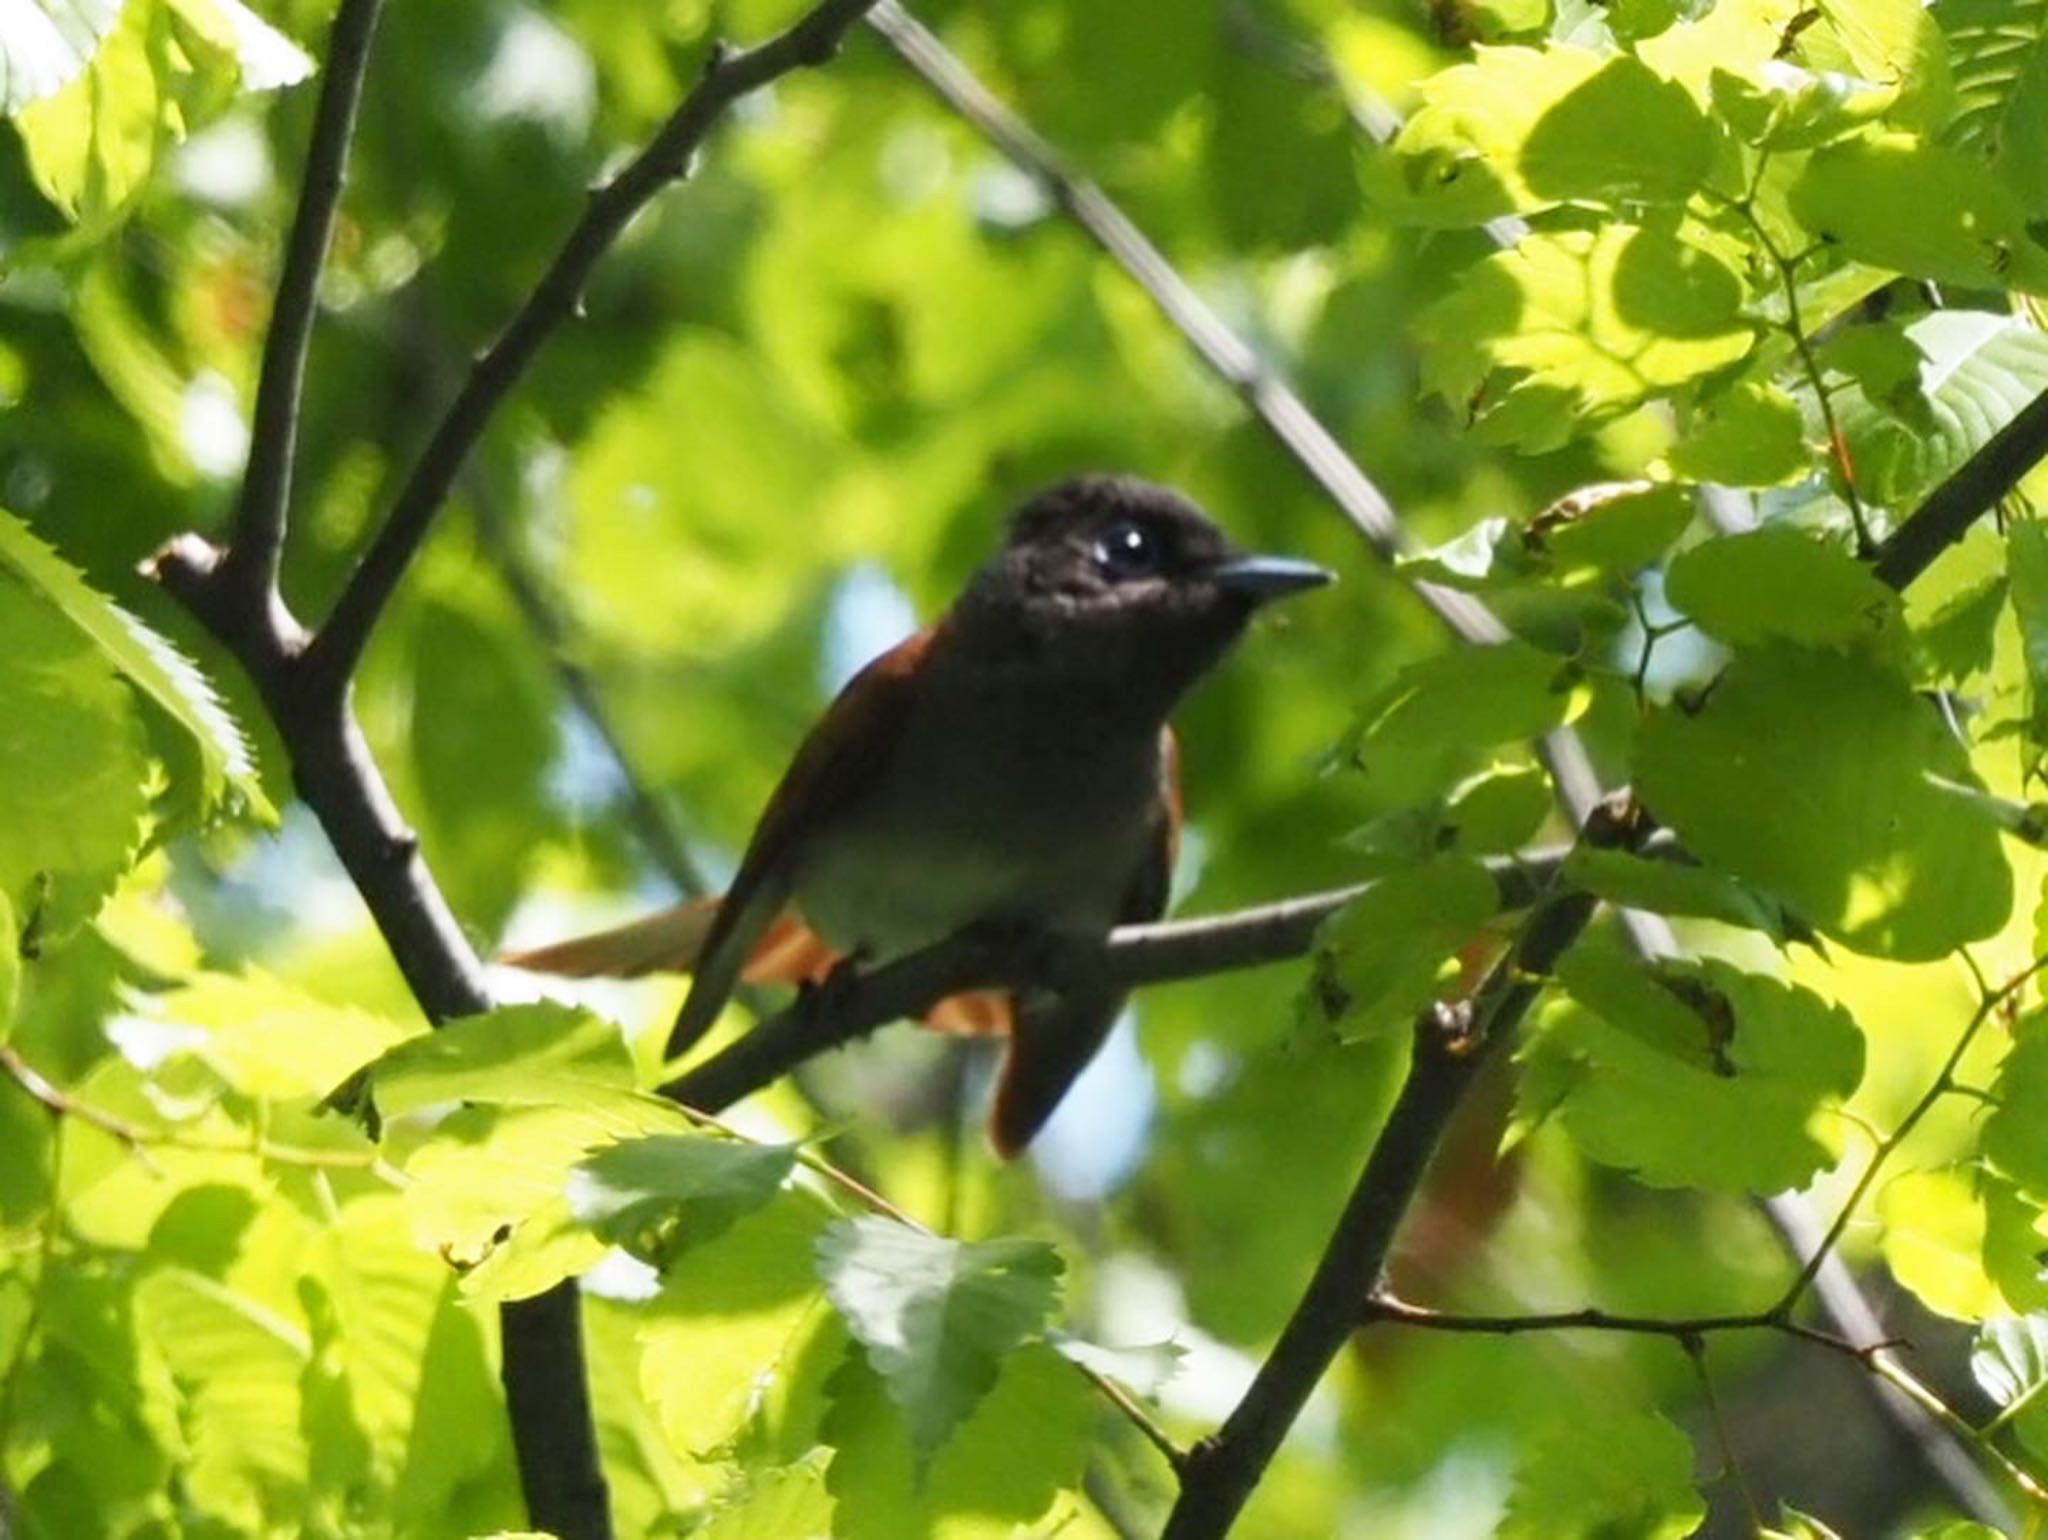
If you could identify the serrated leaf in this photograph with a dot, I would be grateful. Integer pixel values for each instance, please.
(1569, 330)
(1697, 1074)
(265, 59)
(1499, 810)
(519, 1055)
(219, 774)
(1969, 373)
(1605, 1473)
(1386, 952)
(789, 1502)
(46, 44)
(1780, 584)
(936, 1316)
(1782, 107)
(687, 1188)
(1966, 226)
(73, 774)
(1024, 1444)
(1439, 715)
(267, 1039)
(1617, 528)
(1805, 773)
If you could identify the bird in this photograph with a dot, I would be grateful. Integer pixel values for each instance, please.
(1007, 770)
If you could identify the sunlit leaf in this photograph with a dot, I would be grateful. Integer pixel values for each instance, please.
(1607, 1473)
(1387, 951)
(937, 1317)
(1780, 584)
(1805, 774)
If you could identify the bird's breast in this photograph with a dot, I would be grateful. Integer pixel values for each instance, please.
(986, 813)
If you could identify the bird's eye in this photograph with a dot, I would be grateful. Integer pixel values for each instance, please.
(1127, 550)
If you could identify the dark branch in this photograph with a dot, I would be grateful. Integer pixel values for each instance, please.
(1131, 955)
(1451, 1044)
(267, 483)
(1385, 1307)
(1969, 494)
(730, 75)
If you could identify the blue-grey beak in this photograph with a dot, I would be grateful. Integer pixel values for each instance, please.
(1269, 577)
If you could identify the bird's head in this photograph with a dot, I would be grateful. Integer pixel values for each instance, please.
(1121, 582)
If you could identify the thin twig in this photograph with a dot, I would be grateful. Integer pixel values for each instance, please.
(1265, 393)
(1383, 1306)
(729, 75)
(142, 1137)
(274, 429)
(1939, 1086)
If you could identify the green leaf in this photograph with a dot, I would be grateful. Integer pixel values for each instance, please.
(2015, 1133)
(1934, 1242)
(789, 1502)
(1966, 226)
(521, 1055)
(1569, 330)
(1805, 773)
(47, 44)
(1385, 954)
(657, 1194)
(2010, 1359)
(1440, 714)
(1748, 435)
(733, 1325)
(1500, 810)
(10, 965)
(1024, 1444)
(1957, 639)
(1605, 1473)
(936, 1316)
(73, 774)
(164, 68)
(212, 770)
(2000, 52)
(1696, 1074)
(1971, 372)
(1520, 128)
(1780, 584)
(267, 1039)
(1672, 887)
(1784, 108)
(2026, 546)
(1613, 528)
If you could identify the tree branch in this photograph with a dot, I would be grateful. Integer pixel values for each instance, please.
(730, 75)
(1951, 508)
(258, 545)
(1451, 1044)
(1129, 956)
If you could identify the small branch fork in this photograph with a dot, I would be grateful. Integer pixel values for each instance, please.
(303, 676)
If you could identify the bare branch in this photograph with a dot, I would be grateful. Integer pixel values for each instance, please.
(730, 75)
(1131, 955)
(274, 434)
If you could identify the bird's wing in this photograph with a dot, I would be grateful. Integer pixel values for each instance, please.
(1053, 1037)
(832, 769)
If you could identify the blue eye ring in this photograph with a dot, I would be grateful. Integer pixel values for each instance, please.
(1127, 550)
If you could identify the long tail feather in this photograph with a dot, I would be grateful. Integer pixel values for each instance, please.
(1050, 1044)
(668, 942)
